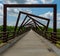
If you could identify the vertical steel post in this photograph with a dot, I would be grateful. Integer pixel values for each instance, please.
(54, 21)
(55, 18)
(4, 24)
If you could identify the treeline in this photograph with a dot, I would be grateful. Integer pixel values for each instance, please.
(11, 28)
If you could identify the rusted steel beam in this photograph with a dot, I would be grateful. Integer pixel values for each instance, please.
(4, 24)
(24, 20)
(55, 18)
(34, 15)
(27, 21)
(34, 23)
(31, 24)
(47, 25)
(39, 26)
(37, 21)
(28, 24)
(22, 23)
(16, 24)
(17, 21)
(30, 5)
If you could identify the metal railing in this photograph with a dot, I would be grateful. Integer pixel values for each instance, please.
(10, 35)
(52, 36)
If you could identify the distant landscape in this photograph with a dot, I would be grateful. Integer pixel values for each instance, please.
(11, 28)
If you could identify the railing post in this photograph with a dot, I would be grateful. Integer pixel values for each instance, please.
(53, 35)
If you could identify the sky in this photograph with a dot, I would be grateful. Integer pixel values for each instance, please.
(12, 13)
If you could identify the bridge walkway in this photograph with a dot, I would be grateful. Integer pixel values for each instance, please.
(31, 44)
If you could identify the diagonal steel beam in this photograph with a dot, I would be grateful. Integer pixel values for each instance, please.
(38, 26)
(47, 25)
(40, 18)
(37, 21)
(27, 21)
(34, 15)
(17, 21)
(32, 19)
(24, 20)
(22, 23)
(34, 23)
(16, 24)
(28, 24)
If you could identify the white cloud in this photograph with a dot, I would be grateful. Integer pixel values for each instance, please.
(9, 2)
(28, 10)
(11, 23)
(58, 20)
(20, 1)
(1, 14)
(47, 15)
(15, 11)
(47, 1)
(58, 16)
(1, 9)
(1, 17)
(50, 16)
(31, 1)
(58, 25)
(1, 5)
(1, 21)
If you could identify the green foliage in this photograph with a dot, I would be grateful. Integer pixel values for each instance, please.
(1, 41)
(50, 29)
(1, 28)
(58, 30)
(10, 28)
